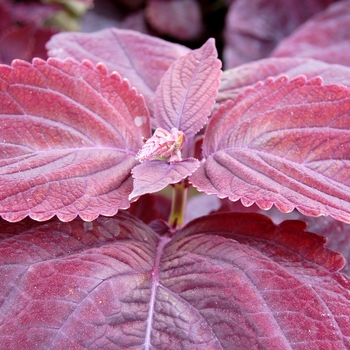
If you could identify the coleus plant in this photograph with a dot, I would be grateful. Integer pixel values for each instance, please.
(76, 140)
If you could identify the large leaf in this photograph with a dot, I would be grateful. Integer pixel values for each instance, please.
(141, 58)
(284, 143)
(69, 134)
(228, 281)
(187, 91)
(154, 175)
(325, 37)
(237, 79)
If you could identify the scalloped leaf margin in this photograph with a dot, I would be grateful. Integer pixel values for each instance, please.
(69, 133)
(284, 143)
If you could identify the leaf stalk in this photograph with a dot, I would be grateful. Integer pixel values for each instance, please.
(178, 205)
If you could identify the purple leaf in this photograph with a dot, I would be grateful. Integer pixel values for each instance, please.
(226, 281)
(138, 57)
(237, 79)
(180, 19)
(325, 37)
(69, 134)
(284, 143)
(154, 175)
(68, 282)
(254, 28)
(187, 92)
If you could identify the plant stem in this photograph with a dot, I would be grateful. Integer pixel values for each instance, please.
(178, 205)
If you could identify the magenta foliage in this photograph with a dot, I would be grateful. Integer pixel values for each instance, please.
(72, 153)
(188, 89)
(224, 281)
(76, 143)
(142, 59)
(182, 104)
(154, 175)
(282, 153)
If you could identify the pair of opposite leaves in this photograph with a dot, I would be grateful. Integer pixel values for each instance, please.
(280, 142)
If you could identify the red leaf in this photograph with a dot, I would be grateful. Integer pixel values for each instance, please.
(187, 92)
(69, 135)
(237, 79)
(141, 58)
(154, 175)
(325, 37)
(227, 281)
(284, 143)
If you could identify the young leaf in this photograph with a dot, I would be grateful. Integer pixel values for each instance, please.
(163, 144)
(187, 91)
(325, 37)
(154, 175)
(226, 281)
(236, 80)
(140, 58)
(69, 134)
(284, 143)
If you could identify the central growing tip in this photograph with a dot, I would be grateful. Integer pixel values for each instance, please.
(163, 145)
